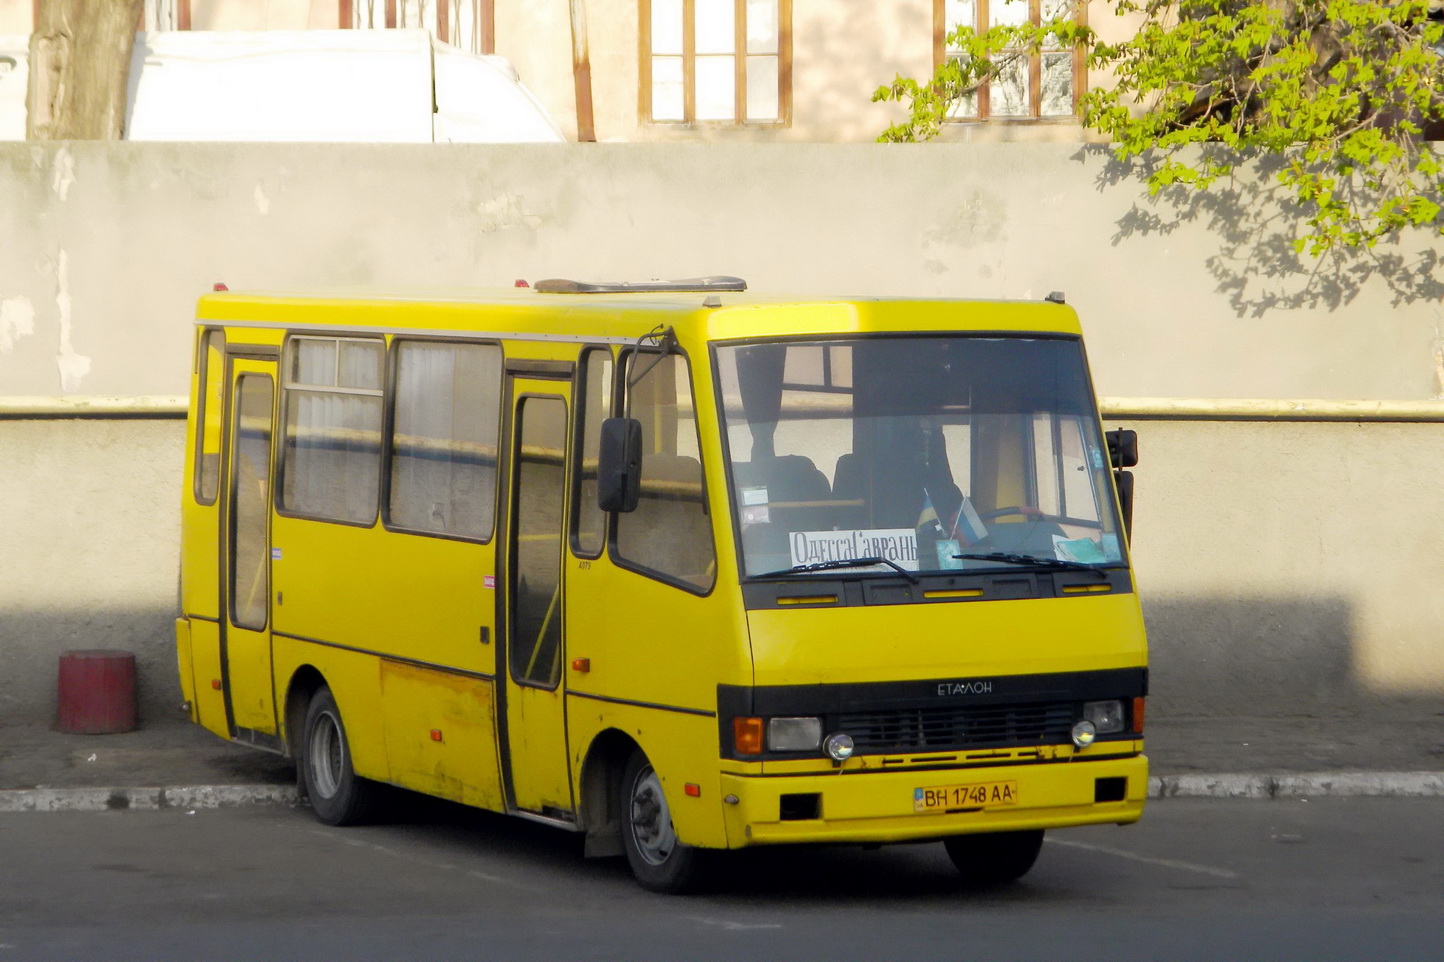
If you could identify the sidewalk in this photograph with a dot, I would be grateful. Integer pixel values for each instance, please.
(172, 763)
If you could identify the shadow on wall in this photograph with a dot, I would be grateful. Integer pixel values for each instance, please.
(1260, 657)
(1256, 221)
(33, 642)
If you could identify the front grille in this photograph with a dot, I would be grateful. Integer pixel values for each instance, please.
(957, 728)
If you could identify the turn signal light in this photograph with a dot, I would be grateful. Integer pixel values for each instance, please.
(1138, 715)
(747, 736)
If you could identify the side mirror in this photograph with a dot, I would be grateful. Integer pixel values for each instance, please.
(1122, 448)
(619, 464)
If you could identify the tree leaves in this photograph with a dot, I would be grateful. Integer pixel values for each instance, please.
(1345, 91)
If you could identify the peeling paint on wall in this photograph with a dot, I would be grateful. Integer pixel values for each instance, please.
(72, 366)
(505, 211)
(64, 173)
(1438, 363)
(17, 320)
(972, 234)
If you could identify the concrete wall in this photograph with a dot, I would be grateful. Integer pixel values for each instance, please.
(89, 530)
(107, 246)
(1285, 566)
(1290, 566)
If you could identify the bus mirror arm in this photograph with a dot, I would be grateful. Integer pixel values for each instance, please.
(619, 464)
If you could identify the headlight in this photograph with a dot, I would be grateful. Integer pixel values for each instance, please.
(794, 734)
(1106, 716)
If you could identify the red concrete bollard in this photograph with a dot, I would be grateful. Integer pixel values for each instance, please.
(96, 692)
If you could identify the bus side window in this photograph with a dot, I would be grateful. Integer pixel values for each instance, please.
(593, 405)
(443, 438)
(670, 533)
(331, 459)
(208, 418)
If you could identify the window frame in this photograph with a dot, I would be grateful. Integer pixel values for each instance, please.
(278, 498)
(1101, 491)
(517, 412)
(689, 69)
(388, 433)
(623, 402)
(983, 114)
(203, 371)
(234, 493)
(580, 415)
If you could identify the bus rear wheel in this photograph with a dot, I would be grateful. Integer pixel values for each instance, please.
(994, 858)
(659, 861)
(337, 794)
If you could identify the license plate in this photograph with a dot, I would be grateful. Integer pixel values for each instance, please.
(976, 795)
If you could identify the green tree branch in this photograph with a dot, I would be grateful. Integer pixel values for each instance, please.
(1347, 92)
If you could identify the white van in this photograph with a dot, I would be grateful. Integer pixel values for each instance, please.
(371, 86)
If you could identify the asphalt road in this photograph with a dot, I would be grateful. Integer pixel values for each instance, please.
(1197, 879)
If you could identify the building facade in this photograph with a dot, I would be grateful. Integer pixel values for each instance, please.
(708, 70)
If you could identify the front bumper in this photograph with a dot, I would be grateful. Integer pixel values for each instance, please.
(873, 806)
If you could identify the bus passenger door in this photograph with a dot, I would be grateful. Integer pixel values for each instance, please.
(246, 552)
(534, 725)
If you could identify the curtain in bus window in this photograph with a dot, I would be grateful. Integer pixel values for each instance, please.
(444, 436)
(332, 456)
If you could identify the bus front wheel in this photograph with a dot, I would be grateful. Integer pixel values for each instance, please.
(337, 794)
(994, 858)
(659, 861)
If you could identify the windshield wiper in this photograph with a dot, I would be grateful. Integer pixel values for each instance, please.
(1027, 559)
(842, 563)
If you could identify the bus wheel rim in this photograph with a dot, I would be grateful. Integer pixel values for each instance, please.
(326, 756)
(650, 820)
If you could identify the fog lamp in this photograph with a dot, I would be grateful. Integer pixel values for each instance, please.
(1083, 733)
(793, 734)
(838, 746)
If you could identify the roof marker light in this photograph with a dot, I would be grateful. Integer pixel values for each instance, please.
(218, 286)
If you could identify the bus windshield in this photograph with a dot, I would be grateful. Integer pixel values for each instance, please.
(927, 454)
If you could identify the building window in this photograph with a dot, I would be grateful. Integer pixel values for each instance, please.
(467, 24)
(716, 61)
(157, 15)
(1037, 86)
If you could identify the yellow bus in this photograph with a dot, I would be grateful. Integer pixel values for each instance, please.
(672, 565)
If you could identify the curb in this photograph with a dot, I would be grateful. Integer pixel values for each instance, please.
(1325, 784)
(1256, 787)
(190, 798)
